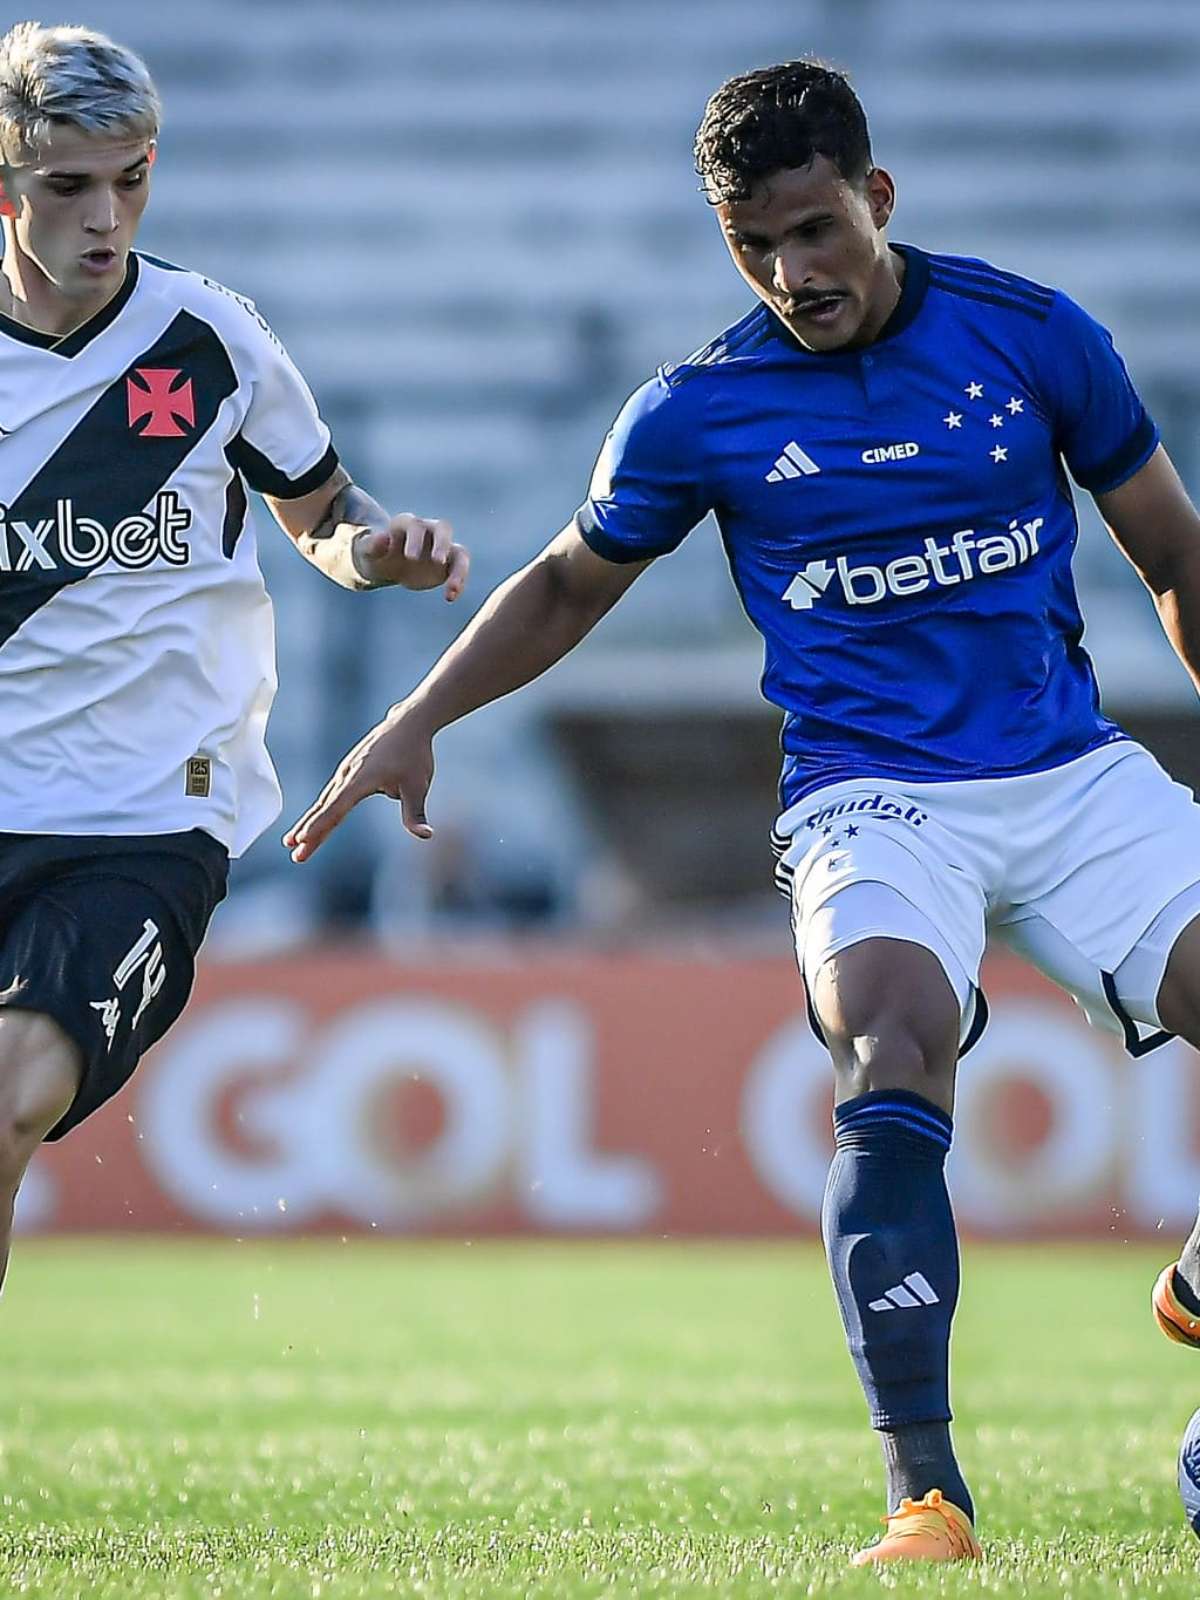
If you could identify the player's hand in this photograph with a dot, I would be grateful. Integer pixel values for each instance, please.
(396, 759)
(414, 552)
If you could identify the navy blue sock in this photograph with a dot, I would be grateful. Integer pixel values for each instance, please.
(893, 1252)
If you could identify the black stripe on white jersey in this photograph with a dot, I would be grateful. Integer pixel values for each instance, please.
(264, 476)
(108, 468)
(236, 508)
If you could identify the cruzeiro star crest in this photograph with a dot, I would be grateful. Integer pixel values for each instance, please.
(977, 404)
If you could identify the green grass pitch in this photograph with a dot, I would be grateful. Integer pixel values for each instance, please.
(326, 1419)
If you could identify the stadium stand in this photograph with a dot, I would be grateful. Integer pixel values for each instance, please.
(476, 226)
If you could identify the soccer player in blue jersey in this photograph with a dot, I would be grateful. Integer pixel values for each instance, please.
(885, 441)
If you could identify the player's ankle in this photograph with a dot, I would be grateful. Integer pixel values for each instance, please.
(920, 1457)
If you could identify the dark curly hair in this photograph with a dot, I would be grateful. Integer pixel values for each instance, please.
(778, 117)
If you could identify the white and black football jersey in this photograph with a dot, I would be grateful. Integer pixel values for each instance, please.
(137, 649)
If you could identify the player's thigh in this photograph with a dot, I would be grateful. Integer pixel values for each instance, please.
(889, 927)
(1152, 992)
(863, 839)
(1177, 996)
(106, 948)
(1116, 842)
(1122, 876)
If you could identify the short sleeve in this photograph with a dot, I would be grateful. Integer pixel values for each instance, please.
(1102, 429)
(647, 493)
(283, 448)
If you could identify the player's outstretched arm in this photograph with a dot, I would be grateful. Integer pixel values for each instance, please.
(351, 539)
(531, 621)
(1157, 528)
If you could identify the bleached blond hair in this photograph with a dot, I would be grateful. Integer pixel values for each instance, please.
(69, 76)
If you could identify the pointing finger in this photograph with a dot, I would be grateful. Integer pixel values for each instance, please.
(297, 828)
(336, 801)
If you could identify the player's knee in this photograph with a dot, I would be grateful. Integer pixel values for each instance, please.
(883, 1052)
(15, 1154)
(22, 1129)
(891, 1021)
(40, 1068)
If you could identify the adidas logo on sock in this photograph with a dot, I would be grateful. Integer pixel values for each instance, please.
(793, 463)
(916, 1290)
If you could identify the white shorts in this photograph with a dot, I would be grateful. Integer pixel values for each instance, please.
(1090, 870)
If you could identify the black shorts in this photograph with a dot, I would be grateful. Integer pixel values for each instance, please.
(101, 934)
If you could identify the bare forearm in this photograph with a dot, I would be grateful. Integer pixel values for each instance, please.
(1178, 605)
(524, 627)
(1155, 526)
(330, 545)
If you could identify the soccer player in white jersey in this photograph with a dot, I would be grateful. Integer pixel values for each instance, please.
(884, 441)
(137, 402)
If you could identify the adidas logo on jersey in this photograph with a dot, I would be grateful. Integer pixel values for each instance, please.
(962, 559)
(916, 1290)
(135, 541)
(793, 463)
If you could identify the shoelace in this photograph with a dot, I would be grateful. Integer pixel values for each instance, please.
(926, 1511)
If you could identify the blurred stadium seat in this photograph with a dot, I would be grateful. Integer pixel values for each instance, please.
(476, 226)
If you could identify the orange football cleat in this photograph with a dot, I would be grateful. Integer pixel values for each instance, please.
(1175, 1320)
(924, 1530)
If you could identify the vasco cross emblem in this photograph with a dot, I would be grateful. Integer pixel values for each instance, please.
(158, 396)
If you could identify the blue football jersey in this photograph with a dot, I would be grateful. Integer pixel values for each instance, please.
(897, 519)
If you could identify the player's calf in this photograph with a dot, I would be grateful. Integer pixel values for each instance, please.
(892, 1021)
(40, 1069)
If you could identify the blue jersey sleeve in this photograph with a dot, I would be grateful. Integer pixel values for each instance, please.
(647, 491)
(1101, 427)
